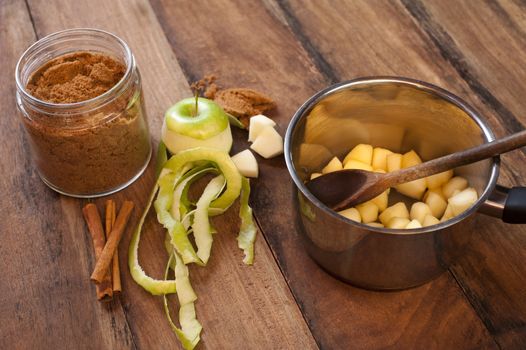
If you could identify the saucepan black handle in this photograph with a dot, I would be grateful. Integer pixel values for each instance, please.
(509, 204)
(515, 206)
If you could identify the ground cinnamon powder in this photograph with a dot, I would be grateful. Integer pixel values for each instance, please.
(242, 103)
(93, 149)
(75, 77)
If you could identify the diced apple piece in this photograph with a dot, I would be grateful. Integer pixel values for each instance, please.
(315, 175)
(418, 211)
(410, 159)
(381, 200)
(256, 124)
(437, 190)
(397, 210)
(380, 158)
(375, 224)
(448, 214)
(362, 153)
(368, 211)
(246, 163)
(436, 203)
(269, 143)
(437, 180)
(333, 165)
(455, 183)
(397, 223)
(414, 189)
(354, 164)
(413, 224)
(430, 220)
(463, 200)
(351, 214)
(394, 162)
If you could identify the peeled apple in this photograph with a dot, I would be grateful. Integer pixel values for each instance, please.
(184, 127)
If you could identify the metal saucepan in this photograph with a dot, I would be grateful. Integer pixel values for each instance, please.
(399, 114)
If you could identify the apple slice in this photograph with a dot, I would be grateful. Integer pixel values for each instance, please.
(333, 165)
(362, 153)
(186, 127)
(269, 143)
(397, 223)
(381, 200)
(393, 162)
(437, 180)
(246, 163)
(368, 212)
(456, 183)
(430, 220)
(410, 159)
(436, 203)
(315, 175)
(463, 200)
(413, 224)
(257, 124)
(414, 189)
(448, 214)
(351, 214)
(397, 210)
(418, 211)
(380, 158)
(355, 164)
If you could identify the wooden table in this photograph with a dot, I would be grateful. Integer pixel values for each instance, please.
(289, 50)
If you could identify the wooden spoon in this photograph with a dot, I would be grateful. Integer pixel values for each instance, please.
(346, 188)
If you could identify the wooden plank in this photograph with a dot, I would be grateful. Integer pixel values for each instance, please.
(44, 253)
(258, 50)
(490, 55)
(399, 47)
(238, 304)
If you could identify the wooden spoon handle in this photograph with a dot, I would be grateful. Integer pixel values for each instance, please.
(457, 159)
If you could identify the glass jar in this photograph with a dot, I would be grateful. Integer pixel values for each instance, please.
(94, 147)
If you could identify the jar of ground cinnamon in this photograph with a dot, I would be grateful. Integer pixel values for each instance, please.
(79, 95)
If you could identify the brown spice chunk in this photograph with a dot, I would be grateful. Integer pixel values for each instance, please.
(243, 103)
(75, 77)
(206, 86)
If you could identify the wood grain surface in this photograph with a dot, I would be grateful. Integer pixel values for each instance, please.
(238, 304)
(289, 50)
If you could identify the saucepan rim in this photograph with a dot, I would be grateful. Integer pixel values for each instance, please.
(305, 109)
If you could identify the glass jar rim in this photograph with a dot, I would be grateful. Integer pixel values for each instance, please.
(49, 40)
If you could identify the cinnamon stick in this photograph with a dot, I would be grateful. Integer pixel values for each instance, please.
(115, 269)
(103, 264)
(104, 289)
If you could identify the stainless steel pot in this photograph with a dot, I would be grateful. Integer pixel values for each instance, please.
(399, 114)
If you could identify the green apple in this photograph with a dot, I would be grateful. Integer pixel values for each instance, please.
(186, 126)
